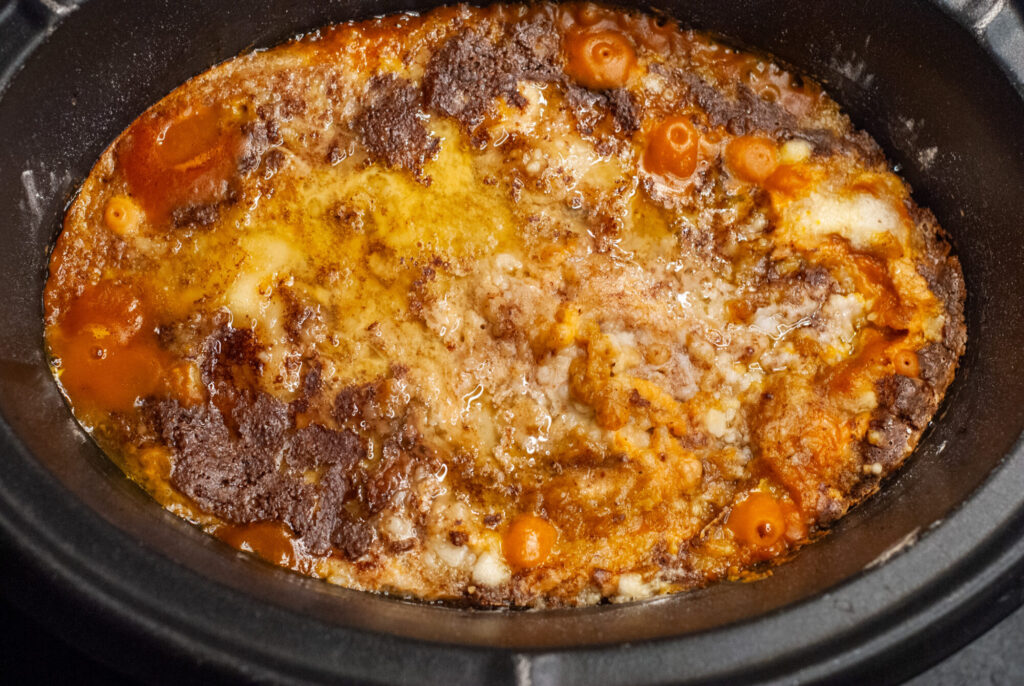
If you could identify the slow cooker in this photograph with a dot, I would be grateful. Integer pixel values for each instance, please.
(902, 581)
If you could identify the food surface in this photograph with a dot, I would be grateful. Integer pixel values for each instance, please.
(528, 306)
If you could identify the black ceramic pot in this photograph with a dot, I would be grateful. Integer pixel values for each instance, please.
(905, 579)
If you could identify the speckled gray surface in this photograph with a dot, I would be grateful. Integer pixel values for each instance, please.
(996, 658)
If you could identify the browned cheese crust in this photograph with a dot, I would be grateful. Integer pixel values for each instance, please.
(529, 306)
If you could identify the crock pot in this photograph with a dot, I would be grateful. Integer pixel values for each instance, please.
(905, 579)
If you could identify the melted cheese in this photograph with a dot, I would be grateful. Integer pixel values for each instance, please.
(859, 217)
(556, 330)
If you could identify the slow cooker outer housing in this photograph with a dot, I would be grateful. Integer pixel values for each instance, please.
(905, 579)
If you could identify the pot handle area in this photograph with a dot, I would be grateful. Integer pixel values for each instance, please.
(999, 27)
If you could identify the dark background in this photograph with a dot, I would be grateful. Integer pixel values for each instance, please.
(31, 655)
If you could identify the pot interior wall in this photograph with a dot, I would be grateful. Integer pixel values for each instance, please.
(904, 71)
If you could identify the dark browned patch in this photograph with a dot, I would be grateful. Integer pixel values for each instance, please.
(288, 107)
(195, 215)
(906, 398)
(419, 292)
(470, 70)
(390, 128)
(299, 316)
(592, 107)
(353, 537)
(258, 137)
(241, 457)
(274, 160)
(890, 438)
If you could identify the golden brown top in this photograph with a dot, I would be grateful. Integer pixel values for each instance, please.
(517, 305)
